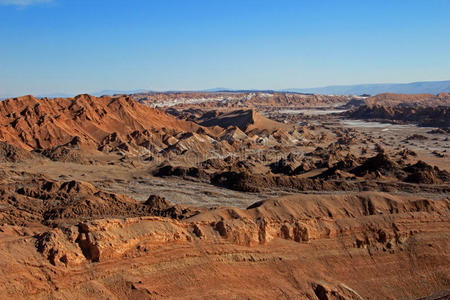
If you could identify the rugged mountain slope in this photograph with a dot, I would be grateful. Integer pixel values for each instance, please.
(32, 123)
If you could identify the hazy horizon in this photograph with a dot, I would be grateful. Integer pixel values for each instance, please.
(299, 90)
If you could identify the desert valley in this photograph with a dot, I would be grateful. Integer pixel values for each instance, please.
(241, 195)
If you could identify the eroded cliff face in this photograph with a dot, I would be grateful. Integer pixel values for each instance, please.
(369, 245)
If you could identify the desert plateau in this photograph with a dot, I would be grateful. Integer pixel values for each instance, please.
(225, 195)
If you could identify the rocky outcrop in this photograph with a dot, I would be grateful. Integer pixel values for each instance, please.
(10, 153)
(422, 172)
(438, 116)
(245, 120)
(389, 99)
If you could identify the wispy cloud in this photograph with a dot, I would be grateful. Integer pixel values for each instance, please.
(23, 3)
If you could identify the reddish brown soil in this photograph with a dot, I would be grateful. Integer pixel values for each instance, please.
(107, 198)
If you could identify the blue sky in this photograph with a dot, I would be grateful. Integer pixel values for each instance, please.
(75, 46)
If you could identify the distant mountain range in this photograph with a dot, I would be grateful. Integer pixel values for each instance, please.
(116, 92)
(420, 87)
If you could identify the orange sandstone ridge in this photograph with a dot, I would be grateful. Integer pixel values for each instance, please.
(32, 123)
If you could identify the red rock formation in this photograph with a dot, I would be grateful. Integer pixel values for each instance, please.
(32, 123)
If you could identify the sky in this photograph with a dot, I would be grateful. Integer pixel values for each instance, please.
(78, 46)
